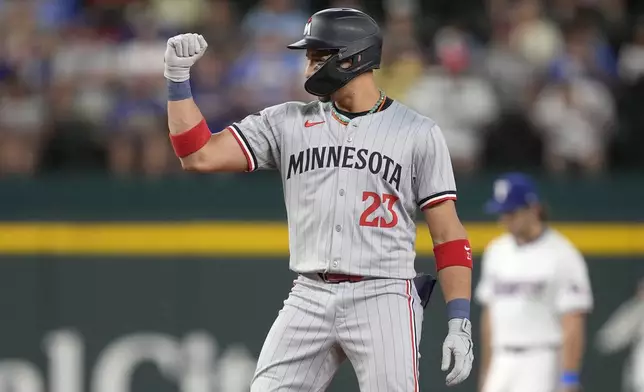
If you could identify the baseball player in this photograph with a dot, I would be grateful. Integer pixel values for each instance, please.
(535, 294)
(355, 167)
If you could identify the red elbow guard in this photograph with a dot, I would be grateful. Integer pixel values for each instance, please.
(190, 141)
(457, 252)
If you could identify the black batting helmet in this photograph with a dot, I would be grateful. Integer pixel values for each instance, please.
(351, 35)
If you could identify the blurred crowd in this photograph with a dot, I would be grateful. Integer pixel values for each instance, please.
(556, 85)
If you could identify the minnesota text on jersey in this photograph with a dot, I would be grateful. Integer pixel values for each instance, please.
(346, 157)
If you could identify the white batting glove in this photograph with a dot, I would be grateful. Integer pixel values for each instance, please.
(458, 344)
(181, 53)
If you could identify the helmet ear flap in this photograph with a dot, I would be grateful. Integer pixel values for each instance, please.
(331, 76)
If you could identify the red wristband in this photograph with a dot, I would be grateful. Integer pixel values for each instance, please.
(190, 141)
(457, 252)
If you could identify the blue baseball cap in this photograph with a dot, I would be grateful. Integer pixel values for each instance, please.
(511, 192)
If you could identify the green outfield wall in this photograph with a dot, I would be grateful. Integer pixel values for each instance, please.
(119, 324)
(258, 197)
(171, 285)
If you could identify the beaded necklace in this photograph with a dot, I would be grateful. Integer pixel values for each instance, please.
(345, 120)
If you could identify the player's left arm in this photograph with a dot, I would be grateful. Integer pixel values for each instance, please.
(435, 190)
(454, 265)
(574, 337)
(574, 302)
(452, 250)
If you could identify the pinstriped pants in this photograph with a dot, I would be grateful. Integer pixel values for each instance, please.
(375, 324)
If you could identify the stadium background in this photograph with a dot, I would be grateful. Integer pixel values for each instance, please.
(120, 273)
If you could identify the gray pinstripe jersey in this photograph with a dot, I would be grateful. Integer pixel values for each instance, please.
(351, 191)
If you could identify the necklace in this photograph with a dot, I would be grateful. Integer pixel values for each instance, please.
(345, 120)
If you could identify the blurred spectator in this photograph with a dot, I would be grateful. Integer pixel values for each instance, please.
(402, 62)
(586, 53)
(137, 132)
(212, 93)
(576, 114)
(76, 59)
(532, 34)
(22, 42)
(221, 29)
(83, 53)
(511, 141)
(461, 103)
(276, 18)
(88, 61)
(267, 74)
(509, 72)
(22, 122)
(54, 13)
(631, 57)
(176, 19)
(142, 55)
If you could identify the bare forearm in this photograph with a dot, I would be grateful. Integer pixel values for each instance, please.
(456, 282)
(447, 233)
(573, 325)
(183, 115)
(573, 346)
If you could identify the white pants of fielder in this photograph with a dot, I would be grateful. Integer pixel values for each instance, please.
(529, 370)
(376, 324)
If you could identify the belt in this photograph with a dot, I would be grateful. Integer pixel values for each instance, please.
(339, 278)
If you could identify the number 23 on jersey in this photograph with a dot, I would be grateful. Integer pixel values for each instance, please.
(375, 200)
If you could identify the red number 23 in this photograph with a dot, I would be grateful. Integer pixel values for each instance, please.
(376, 202)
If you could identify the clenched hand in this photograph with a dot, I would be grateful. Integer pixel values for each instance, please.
(181, 53)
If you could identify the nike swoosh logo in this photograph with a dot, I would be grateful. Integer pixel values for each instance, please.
(310, 124)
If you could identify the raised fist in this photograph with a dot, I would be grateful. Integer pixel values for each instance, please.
(181, 53)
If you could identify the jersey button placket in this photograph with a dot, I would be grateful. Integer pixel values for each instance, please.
(336, 247)
(350, 130)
